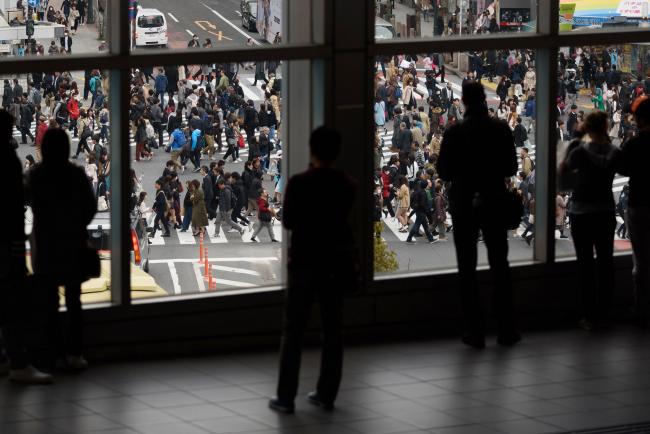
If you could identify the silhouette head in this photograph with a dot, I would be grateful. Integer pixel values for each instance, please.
(55, 147)
(474, 97)
(325, 144)
(596, 123)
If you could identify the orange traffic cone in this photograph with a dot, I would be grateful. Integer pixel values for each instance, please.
(201, 248)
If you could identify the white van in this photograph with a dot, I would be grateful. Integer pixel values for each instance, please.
(150, 28)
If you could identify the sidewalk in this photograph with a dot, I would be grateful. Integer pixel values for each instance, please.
(85, 41)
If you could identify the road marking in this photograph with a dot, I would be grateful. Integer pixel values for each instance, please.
(172, 17)
(235, 270)
(218, 259)
(199, 278)
(218, 34)
(232, 25)
(211, 229)
(158, 239)
(234, 283)
(185, 237)
(237, 12)
(174, 274)
(248, 93)
(393, 224)
(190, 32)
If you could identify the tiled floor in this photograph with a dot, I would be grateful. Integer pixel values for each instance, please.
(552, 382)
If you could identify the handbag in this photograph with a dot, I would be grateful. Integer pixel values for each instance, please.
(514, 207)
(90, 265)
(566, 177)
(240, 141)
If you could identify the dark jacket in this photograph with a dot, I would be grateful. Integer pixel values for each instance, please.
(636, 154)
(60, 230)
(240, 192)
(476, 155)
(225, 198)
(208, 193)
(334, 237)
(595, 166)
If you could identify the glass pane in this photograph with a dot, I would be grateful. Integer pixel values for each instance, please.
(59, 100)
(598, 78)
(57, 27)
(411, 150)
(578, 15)
(209, 24)
(433, 18)
(195, 196)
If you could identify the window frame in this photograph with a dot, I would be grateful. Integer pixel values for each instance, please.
(546, 41)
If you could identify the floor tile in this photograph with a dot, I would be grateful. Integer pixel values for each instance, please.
(169, 399)
(172, 428)
(85, 423)
(379, 426)
(51, 410)
(431, 419)
(548, 391)
(522, 426)
(141, 418)
(34, 427)
(222, 394)
(235, 424)
(199, 412)
(538, 408)
(113, 404)
(466, 384)
(487, 413)
(465, 429)
(415, 390)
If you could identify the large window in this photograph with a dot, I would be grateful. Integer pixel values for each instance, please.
(417, 97)
(183, 152)
(305, 63)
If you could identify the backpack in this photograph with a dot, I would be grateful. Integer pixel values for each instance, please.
(200, 142)
(398, 92)
(103, 117)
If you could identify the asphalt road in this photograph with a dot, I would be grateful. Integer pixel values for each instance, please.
(218, 20)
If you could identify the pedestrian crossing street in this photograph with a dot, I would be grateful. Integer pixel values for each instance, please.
(227, 235)
(250, 92)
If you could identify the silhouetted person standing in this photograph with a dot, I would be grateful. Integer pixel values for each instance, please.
(63, 205)
(636, 154)
(476, 156)
(13, 270)
(593, 161)
(321, 268)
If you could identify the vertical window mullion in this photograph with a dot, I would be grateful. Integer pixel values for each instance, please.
(119, 37)
(545, 152)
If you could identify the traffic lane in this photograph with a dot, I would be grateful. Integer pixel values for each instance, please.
(223, 29)
(177, 268)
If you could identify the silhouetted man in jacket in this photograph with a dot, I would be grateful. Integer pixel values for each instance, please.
(13, 271)
(478, 202)
(320, 269)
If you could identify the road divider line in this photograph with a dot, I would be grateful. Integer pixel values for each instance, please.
(224, 259)
(189, 32)
(235, 270)
(234, 26)
(172, 17)
(174, 274)
(235, 283)
(199, 278)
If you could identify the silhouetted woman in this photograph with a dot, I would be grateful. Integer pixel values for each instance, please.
(592, 163)
(63, 205)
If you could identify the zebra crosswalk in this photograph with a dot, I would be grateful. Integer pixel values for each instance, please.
(225, 235)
